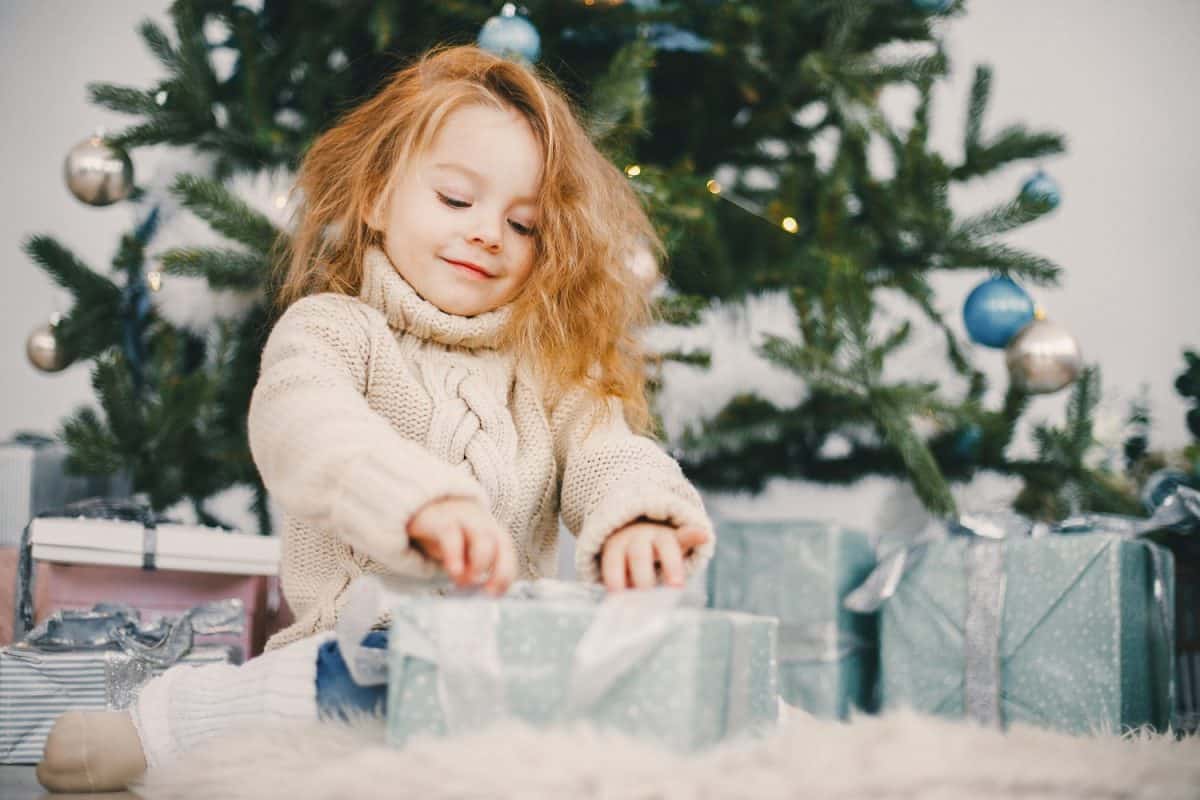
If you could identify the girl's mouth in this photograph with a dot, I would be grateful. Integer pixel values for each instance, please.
(467, 268)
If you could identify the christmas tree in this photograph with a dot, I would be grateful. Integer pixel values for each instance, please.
(717, 113)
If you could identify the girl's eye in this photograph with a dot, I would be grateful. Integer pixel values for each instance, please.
(453, 203)
(523, 230)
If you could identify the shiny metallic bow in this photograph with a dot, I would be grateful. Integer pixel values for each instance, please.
(110, 626)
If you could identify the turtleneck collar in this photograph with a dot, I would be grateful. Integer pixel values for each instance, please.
(383, 288)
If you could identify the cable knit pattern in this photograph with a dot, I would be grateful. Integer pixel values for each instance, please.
(368, 408)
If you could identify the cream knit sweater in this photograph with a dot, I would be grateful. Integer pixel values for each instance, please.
(368, 408)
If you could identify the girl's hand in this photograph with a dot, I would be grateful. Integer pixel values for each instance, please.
(630, 556)
(467, 540)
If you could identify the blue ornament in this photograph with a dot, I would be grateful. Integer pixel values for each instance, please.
(966, 443)
(510, 36)
(995, 310)
(1041, 188)
(932, 6)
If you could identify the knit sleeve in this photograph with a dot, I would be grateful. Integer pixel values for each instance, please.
(324, 454)
(610, 476)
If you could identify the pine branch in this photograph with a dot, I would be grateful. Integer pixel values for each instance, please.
(223, 269)
(680, 309)
(69, 272)
(123, 99)
(159, 44)
(981, 90)
(695, 358)
(923, 470)
(619, 105)
(91, 449)
(1003, 258)
(226, 213)
(1014, 143)
(1000, 219)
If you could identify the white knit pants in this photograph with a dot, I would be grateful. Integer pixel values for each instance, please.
(187, 705)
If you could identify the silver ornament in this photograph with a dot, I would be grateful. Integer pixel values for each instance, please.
(42, 349)
(97, 174)
(1043, 357)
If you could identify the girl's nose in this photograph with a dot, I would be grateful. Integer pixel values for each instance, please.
(486, 232)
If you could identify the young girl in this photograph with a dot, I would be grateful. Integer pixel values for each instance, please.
(457, 365)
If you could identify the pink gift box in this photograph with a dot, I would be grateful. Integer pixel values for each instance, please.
(156, 593)
(153, 592)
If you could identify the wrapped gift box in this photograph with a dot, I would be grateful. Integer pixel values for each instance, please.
(552, 652)
(33, 480)
(78, 562)
(1083, 641)
(36, 687)
(799, 571)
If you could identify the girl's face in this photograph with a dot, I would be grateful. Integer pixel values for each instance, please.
(459, 224)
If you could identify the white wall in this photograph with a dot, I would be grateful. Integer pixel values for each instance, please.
(1116, 77)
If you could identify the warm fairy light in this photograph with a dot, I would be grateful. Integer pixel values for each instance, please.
(280, 200)
(633, 170)
(1039, 313)
(154, 279)
(790, 225)
(713, 187)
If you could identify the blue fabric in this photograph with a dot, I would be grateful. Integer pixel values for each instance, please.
(337, 693)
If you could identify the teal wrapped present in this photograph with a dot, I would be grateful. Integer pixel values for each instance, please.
(1071, 632)
(799, 571)
(551, 652)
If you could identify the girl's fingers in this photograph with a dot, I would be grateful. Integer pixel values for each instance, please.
(504, 570)
(452, 544)
(666, 548)
(481, 549)
(691, 538)
(641, 561)
(612, 563)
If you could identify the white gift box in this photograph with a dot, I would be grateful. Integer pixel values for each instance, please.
(120, 543)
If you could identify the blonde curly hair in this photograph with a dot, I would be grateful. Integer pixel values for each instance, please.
(578, 318)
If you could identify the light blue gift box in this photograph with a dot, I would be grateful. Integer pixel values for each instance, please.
(550, 653)
(1081, 632)
(799, 571)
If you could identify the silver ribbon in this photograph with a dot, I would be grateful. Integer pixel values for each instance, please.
(150, 545)
(461, 641)
(119, 627)
(981, 632)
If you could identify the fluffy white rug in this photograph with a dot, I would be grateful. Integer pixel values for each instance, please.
(874, 758)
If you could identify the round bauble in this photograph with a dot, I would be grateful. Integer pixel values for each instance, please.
(510, 36)
(1042, 189)
(1044, 357)
(995, 310)
(98, 174)
(43, 350)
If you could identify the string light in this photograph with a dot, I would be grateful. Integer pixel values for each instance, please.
(154, 279)
(633, 170)
(713, 186)
(280, 200)
(790, 225)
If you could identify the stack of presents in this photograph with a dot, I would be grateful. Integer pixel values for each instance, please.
(1088, 626)
(97, 595)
